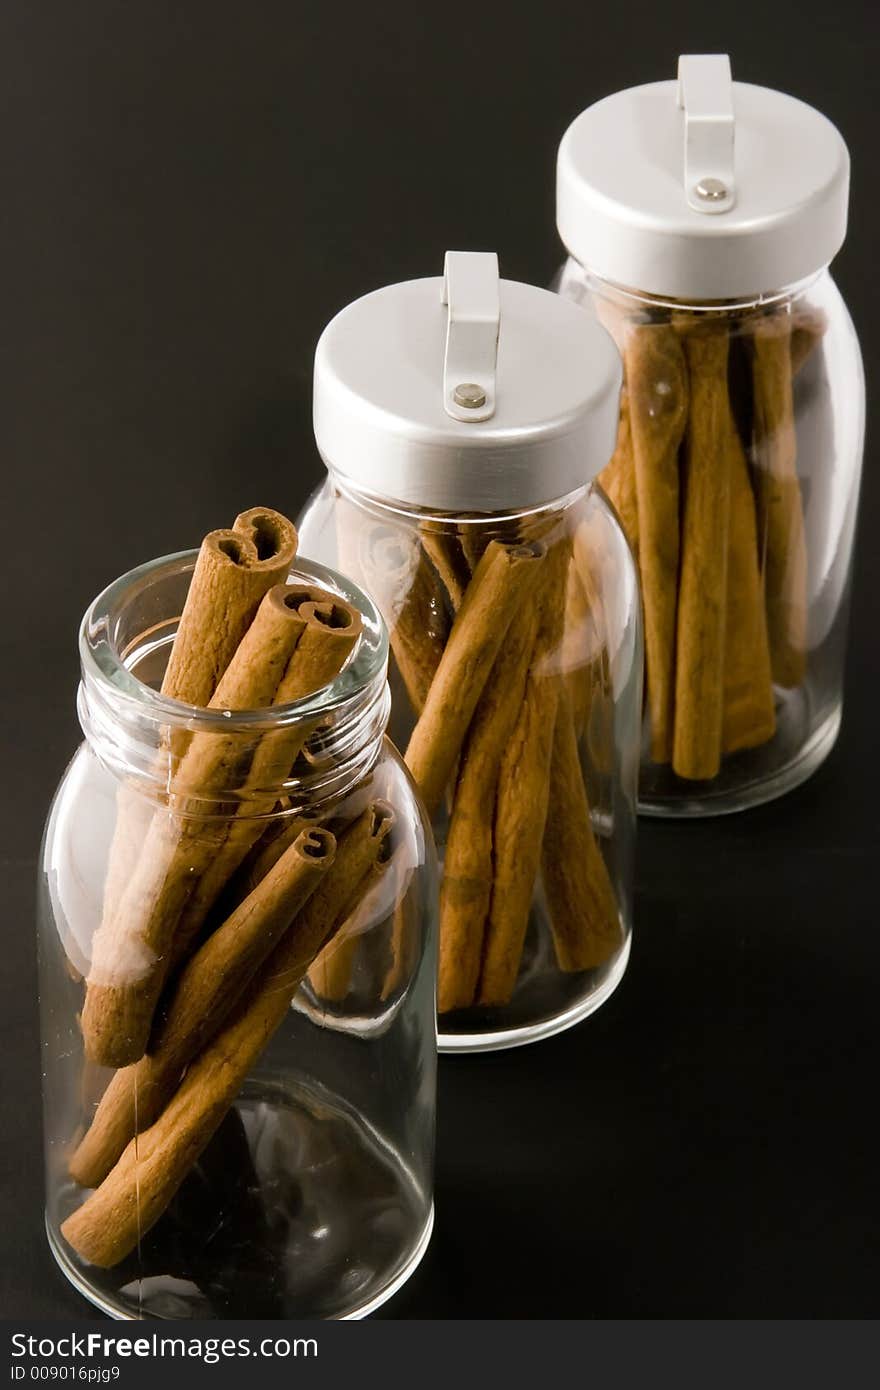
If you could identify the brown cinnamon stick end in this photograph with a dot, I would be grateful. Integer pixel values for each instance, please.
(106, 1040)
(90, 1239)
(272, 536)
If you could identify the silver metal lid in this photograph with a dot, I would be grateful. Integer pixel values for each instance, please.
(702, 188)
(466, 392)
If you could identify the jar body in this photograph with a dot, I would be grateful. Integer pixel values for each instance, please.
(307, 1190)
(736, 478)
(516, 693)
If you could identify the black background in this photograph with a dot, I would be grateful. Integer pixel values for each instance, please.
(190, 190)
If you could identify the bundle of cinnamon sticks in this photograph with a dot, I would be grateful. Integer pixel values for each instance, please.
(489, 628)
(704, 479)
(183, 995)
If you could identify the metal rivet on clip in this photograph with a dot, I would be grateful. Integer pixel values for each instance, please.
(469, 396)
(711, 190)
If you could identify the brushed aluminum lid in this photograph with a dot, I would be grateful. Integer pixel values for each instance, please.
(466, 392)
(702, 188)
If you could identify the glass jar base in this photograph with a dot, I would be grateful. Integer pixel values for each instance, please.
(504, 1038)
(733, 789)
(305, 1265)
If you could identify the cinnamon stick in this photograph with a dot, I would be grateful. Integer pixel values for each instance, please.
(702, 599)
(234, 569)
(205, 993)
(136, 1192)
(109, 1224)
(278, 835)
(331, 629)
(468, 871)
(474, 538)
(499, 585)
(130, 949)
(657, 393)
(749, 716)
(330, 976)
(593, 708)
(807, 330)
(331, 973)
(580, 644)
(409, 596)
(618, 477)
(780, 507)
(522, 799)
(406, 928)
(584, 916)
(444, 550)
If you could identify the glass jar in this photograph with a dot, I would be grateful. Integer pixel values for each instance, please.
(281, 1164)
(737, 468)
(515, 635)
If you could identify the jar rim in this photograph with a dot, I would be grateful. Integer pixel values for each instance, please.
(105, 665)
(757, 300)
(394, 507)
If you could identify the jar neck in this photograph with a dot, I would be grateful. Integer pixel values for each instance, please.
(636, 301)
(396, 513)
(150, 741)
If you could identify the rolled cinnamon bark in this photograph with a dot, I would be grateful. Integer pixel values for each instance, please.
(580, 647)
(331, 630)
(330, 976)
(234, 569)
(593, 710)
(331, 973)
(130, 949)
(807, 330)
(749, 717)
(780, 508)
(366, 848)
(474, 537)
(468, 869)
(657, 393)
(406, 928)
(410, 598)
(206, 992)
(618, 477)
(264, 855)
(444, 550)
(522, 797)
(499, 585)
(136, 1192)
(702, 599)
(584, 916)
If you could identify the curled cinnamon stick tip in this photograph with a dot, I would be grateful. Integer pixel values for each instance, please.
(271, 536)
(233, 570)
(317, 843)
(321, 609)
(333, 614)
(382, 819)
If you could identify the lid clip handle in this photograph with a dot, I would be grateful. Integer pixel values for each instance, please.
(470, 290)
(705, 93)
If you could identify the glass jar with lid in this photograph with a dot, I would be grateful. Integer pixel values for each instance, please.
(462, 419)
(700, 216)
(267, 1152)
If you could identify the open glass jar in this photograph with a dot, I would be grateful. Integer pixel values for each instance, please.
(270, 1155)
(466, 510)
(700, 219)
